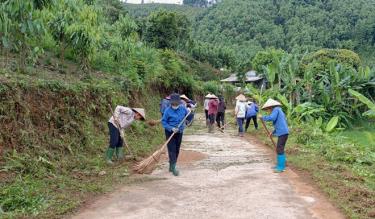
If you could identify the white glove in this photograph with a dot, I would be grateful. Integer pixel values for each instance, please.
(175, 130)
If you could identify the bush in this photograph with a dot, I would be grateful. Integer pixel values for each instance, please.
(321, 59)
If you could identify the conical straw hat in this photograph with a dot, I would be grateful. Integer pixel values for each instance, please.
(241, 97)
(213, 96)
(141, 112)
(184, 97)
(270, 103)
(207, 96)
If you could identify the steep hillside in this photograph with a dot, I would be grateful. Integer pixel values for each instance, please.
(298, 26)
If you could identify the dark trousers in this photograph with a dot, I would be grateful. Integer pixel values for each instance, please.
(212, 117)
(115, 140)
(206, 114)
(254, 118)
(173, 146)
(281, 142)
(220, 119)
(240, 124)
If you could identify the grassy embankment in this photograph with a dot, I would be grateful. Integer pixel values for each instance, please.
(53, 138)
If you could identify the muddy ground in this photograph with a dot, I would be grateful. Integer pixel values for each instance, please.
(222, 176)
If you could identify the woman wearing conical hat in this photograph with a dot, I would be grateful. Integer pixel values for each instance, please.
(280, 124)
(122, 118)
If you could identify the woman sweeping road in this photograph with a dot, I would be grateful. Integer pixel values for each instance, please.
(122, 118)
(173, 116)
(278, 119)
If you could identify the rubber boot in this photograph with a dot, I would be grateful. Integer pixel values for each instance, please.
(109, 154)
(170, 167)
(175, 172)
(280, 163)
(120, 153)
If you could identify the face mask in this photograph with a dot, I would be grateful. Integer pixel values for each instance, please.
(175, 107)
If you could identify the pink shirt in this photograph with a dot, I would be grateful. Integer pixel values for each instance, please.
(213, 107)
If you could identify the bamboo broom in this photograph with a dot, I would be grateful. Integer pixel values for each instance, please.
(148, 165)
(263, 123)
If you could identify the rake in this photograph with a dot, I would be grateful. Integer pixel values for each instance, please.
(148, 165)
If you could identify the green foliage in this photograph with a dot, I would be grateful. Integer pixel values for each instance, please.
(266, 58)
(365, 100)
(20, 25)
(143, 11)
(24, 196)
(294, 26)
(321, 59)
(167, 29)
(332, 124)
(84, 34)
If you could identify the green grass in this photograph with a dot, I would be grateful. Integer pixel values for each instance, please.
(363, 134)
(341, 164)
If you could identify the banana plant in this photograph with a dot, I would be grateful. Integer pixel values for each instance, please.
(371, 105)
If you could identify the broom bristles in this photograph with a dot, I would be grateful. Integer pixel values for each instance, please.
(147, 165)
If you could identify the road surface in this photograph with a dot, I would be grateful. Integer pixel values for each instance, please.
(228, 177)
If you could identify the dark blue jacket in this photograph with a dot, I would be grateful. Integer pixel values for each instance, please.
(173, 117)
(252, 110)
(279, 121)
(164, 104)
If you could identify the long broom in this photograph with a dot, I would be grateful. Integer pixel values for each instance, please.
(268, 133)
(147, 165)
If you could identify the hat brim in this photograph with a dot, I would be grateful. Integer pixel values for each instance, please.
(140, 112)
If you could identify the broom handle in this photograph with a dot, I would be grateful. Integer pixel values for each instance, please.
(263, 123)
(118, 126)
(268, 132)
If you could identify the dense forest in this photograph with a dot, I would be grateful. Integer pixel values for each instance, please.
(295, 26)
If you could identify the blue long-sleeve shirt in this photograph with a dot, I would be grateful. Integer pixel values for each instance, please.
(252, 110)
(164, 104)
(173, 117)
(279, 121)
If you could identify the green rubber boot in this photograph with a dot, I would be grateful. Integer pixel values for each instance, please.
(175, 172)
(109, 154)
(170, 167)
(120, 153)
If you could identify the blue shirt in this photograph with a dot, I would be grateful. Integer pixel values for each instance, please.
(173, 117)
(164, 104)
(252, 110)
(279, 121)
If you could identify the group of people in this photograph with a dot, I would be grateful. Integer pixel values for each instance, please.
(214, 108)
(249, 109)
(245, 111)
(177, 111)
(185, 101)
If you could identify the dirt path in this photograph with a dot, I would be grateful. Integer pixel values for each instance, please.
(230, 177)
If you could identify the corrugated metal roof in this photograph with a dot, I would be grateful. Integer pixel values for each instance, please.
(251, 76)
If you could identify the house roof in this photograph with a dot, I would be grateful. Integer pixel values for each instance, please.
(251, 76)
